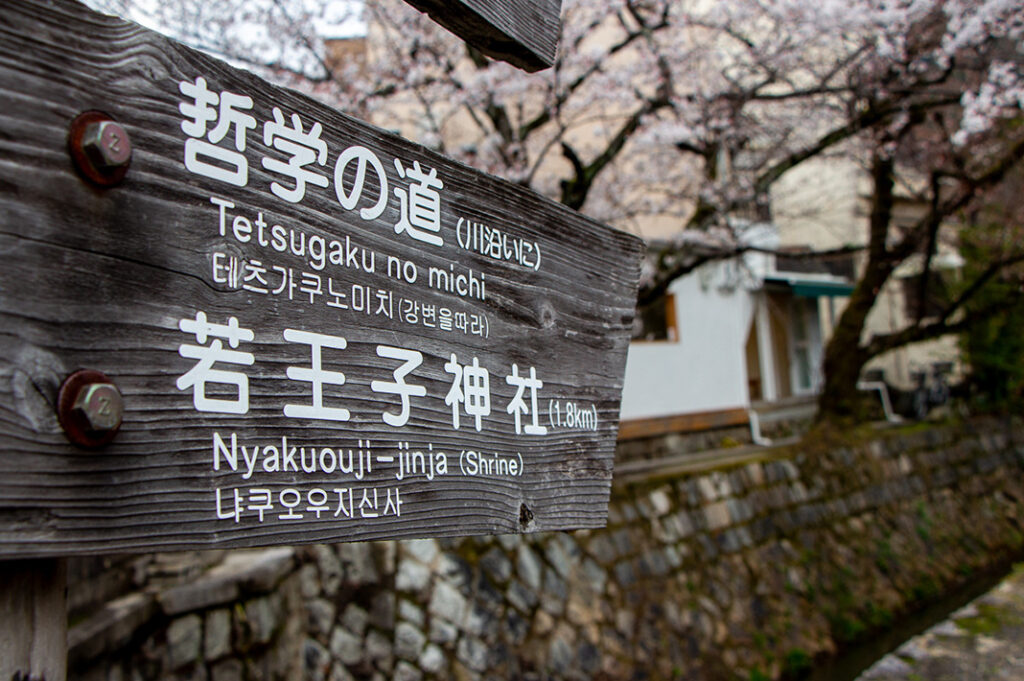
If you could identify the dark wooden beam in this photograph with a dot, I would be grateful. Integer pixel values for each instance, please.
(633, 429)
(522, 32)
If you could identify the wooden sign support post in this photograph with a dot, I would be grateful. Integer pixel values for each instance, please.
(33, 629)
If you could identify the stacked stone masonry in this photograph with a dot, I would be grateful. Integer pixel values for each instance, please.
(740, 573)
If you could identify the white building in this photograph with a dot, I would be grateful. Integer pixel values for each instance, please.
(736, 335)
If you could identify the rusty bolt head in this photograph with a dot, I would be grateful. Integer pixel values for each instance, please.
(101, 405)
(90, 408)
(107, 144)
(100, 148)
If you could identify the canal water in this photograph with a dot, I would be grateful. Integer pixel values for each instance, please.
(854, 660)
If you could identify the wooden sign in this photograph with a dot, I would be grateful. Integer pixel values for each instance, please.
(319, 331)
(522, 32)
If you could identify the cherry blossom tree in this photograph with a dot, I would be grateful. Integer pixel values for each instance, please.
(685, 115)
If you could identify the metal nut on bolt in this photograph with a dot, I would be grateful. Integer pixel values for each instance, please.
(90, 408)
(107, 144)
(100, 148)
(101, 405)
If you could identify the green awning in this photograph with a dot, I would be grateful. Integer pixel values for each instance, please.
(818, 289)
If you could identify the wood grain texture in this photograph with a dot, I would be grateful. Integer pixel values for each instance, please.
(101, 279)
(33, 630)
(521, 32)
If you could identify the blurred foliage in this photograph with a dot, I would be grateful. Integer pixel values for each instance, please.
(993, 348)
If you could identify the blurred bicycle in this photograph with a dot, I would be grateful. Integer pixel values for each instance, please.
(931, 389)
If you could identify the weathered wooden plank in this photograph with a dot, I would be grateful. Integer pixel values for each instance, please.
(118, 279)
(633, 429)
(33, 630)
(521, 32)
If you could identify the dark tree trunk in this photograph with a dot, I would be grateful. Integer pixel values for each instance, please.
(844, 360)
(845, 356)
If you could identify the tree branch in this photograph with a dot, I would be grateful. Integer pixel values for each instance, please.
(701, 255)
(872, 116)
(544, 116)
(575, 190)
(969, 188)
(930, 247)
(304, 39)
(943, 327)
(979, 282)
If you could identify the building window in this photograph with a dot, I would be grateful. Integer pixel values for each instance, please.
(801, 347)
(656, 321)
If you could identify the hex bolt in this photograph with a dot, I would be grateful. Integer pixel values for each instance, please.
(101, 405)
(107, 144)
(90, 408)
(100, 148)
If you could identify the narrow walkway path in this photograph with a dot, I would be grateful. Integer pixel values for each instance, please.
(984, 640)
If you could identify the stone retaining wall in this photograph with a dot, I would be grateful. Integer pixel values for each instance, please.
(741, 573)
